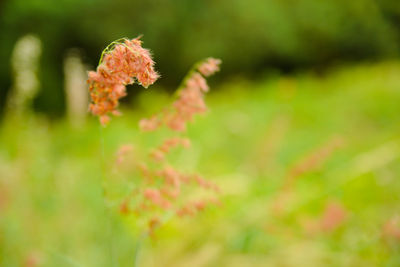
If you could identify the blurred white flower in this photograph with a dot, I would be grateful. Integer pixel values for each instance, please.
(25, 64)
(77, 98)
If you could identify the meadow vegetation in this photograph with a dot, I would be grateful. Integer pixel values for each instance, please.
(307, 167)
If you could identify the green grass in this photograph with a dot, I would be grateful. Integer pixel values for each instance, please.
(52, 205)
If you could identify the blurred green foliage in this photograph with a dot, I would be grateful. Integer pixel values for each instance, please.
(249, 36)
(52, 209)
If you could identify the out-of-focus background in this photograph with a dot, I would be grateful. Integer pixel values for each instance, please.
(253, 37)
(302, 133)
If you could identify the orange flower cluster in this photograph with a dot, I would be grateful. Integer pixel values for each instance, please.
(190, 100)
(124, 63)
(162, 188)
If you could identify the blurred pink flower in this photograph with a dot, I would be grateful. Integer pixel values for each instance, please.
(122, 152)
(148, 125)
(209, 66)
(333, 217)
(162, 187)
(156, 198)
(392, 228)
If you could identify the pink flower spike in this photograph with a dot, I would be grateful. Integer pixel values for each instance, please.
(104, 120)
(157, 155)
(148, 125)
(333, 216)
(209, 66)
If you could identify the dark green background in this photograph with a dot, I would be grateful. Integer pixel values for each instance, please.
(252, 37)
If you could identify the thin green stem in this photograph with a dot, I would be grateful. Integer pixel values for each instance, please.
(187, 77)
(141, 238)
(102, 162)
(107, 212)
(110, 47)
